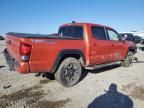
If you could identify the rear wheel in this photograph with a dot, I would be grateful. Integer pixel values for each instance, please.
(128, 60)
(69, 72)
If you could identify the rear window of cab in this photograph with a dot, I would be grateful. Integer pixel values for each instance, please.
(71, 31)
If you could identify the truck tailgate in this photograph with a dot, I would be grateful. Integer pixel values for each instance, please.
(12, 45)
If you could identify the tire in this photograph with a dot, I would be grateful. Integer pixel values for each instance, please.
(69, 72)
(128, 60)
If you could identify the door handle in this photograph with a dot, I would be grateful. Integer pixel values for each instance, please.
(113, 44)
(95, 44)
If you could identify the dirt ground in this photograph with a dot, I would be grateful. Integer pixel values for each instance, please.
(111, 87)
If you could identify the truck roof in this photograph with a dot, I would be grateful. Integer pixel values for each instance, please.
(83, 23)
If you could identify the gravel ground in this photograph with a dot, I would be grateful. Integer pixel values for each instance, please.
(111, 87)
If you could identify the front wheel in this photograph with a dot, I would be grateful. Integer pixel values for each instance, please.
(69, 72)
(128, 60)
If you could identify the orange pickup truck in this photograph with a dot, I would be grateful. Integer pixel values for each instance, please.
(75, 46)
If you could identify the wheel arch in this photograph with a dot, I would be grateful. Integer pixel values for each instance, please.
(132, 49)
(76, 53)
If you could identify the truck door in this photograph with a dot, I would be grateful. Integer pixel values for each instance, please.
(101, 50)
(117, 44)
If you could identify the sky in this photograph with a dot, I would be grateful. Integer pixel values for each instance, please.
(45, 16)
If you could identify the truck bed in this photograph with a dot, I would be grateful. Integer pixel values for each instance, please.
(49, 36)
(44, 50)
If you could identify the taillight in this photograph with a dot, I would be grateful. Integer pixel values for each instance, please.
(25, 50)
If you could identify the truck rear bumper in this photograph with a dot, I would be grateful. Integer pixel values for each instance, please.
(21, 67)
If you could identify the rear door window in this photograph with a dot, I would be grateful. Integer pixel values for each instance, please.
(71, 31)
(98, 33)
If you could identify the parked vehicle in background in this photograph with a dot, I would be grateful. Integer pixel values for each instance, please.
(138, 39)
(142, 41)
(65, 54)
(128, 37)
(1, 38)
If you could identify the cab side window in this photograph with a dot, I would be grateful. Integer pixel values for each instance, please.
(98, 33)
(112, 35)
